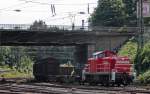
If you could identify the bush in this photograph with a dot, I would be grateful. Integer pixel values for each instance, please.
(145, 77)
(129, 49)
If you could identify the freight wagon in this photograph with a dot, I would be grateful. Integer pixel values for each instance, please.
(50, 69)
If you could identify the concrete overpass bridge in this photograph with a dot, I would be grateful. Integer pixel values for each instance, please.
(86, 40)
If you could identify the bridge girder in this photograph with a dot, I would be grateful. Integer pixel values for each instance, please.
(24, 38)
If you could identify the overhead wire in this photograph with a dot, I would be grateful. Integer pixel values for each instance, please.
(54, 13)
(52, 6)
(70, 14)
(12, 6)
(55, 3)
(27, 1)
(56, 18)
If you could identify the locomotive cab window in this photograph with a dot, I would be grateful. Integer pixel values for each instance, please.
(98, 55)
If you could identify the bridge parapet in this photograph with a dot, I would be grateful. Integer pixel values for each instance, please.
(61, 28)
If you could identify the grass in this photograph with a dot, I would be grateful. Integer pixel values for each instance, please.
(13, 73)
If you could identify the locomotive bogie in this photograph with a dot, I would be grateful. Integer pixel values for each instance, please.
(105, 79)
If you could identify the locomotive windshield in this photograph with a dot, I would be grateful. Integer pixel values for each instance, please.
(98, 55)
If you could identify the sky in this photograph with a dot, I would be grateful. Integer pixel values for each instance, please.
(67, 11)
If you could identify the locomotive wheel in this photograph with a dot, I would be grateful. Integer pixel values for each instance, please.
(41, 78)
(107, 84)
(124, 79)
(112, 84)
(38, 78)
(124, 82)
(93, 83)
(102, 84)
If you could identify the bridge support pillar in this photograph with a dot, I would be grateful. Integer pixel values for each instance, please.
(91, 50)
(81, 55)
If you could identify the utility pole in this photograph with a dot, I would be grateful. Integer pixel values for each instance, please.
(72, 18)
(140, 36)
(141, 25)
(0, 38)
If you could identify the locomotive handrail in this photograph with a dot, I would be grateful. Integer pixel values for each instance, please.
(123, 64)
(85, 68)
(121, 67)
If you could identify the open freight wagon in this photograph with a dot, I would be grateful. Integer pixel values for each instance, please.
(50, 69)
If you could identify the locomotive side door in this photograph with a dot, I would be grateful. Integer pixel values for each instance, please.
(92, 66)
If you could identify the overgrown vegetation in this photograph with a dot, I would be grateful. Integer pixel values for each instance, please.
(130, 49)
(15, 62)
(144, 57)
(144, 78)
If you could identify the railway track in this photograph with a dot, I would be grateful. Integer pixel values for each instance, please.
(49, 88)
(129, 89)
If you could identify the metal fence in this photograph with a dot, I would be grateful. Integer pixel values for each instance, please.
(65, 27)
(46, 27)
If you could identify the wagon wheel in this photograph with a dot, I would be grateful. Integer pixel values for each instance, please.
(93, 83)
(124, 79)
(118, 84)
(112, 84)
(107, 84)
(102, 84)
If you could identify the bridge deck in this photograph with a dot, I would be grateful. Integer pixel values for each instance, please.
(44, 38)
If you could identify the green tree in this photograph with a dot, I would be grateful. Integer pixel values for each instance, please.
(130, 8)
(38, 25)
(114, 13)
(41, 25)
(108, 13)
(4, 54)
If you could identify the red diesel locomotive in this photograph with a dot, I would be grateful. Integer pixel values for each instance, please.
(105, 68)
